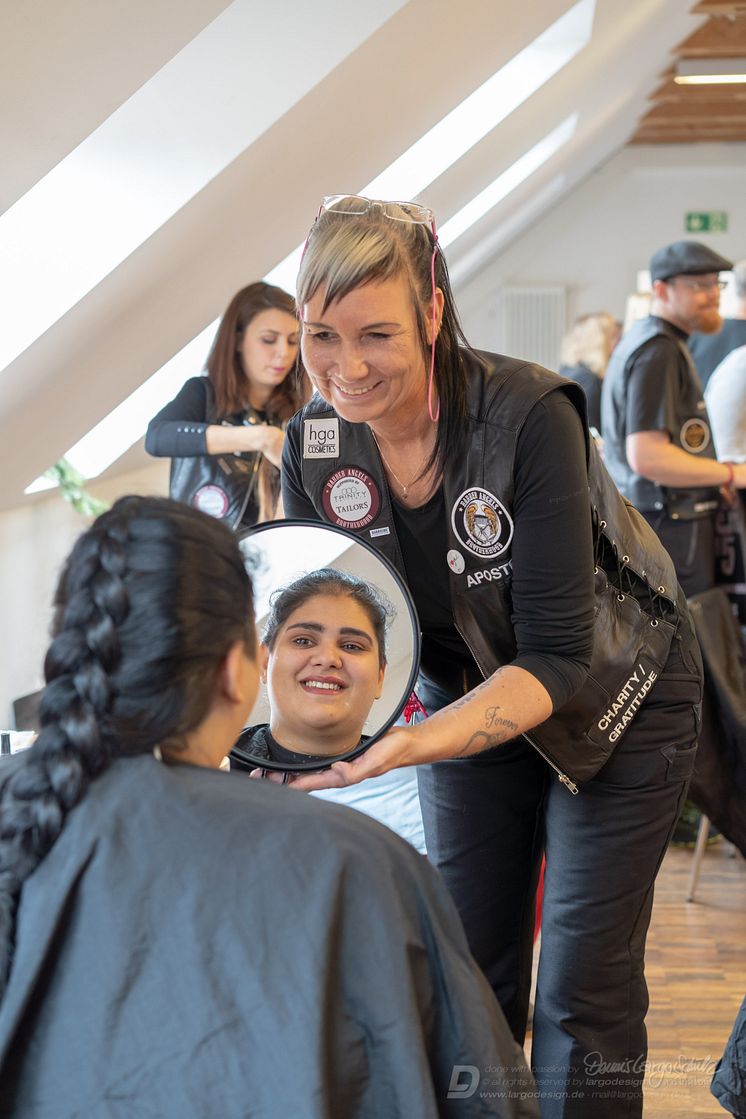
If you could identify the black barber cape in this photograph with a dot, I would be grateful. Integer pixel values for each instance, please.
(200, 944)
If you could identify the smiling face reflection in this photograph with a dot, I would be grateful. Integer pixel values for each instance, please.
(324, 672)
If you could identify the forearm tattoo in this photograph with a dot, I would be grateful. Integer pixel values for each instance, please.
(498, 729)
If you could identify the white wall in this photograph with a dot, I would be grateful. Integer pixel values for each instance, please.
(595, 241)
(34, 541)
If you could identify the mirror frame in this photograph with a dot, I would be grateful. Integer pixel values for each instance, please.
(316, 763)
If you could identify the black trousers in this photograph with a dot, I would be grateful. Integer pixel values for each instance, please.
(487, 821)
(691, 546)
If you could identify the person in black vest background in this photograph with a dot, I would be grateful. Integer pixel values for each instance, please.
(223, 432)
(475, 475)
(658, 441)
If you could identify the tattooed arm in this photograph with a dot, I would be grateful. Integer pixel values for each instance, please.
(509, 702)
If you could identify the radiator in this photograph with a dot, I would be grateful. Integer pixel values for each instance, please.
(529, 323)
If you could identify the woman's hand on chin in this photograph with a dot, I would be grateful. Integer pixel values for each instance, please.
(389, 752)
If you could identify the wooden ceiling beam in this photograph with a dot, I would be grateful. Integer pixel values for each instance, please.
(720, 37)
(719, 8)
(694, 114)
(696, 95)
(689, 136)
(717, 113)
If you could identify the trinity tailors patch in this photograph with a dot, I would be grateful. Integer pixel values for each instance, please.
(351, 498)
(695, 435)
(211, 500)
(321, 438)
(482, 523)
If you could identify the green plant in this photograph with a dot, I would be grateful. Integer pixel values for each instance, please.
(72, 488)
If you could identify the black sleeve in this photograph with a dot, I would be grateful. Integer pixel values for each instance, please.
(653, 388)
(553, 599)
(178, 430)
(591, 386)
(295, 501)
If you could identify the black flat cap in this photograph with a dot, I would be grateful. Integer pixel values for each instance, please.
(686, 258)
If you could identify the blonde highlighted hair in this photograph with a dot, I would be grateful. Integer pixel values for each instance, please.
(590, 341)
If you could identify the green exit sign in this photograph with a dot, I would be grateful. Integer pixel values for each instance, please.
(708, 221)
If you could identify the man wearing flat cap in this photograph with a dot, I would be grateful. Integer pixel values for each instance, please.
(657, 438)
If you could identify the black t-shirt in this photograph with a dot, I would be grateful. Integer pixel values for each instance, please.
(654, 393)
(178, 430)
(590, 383)
(552, 589)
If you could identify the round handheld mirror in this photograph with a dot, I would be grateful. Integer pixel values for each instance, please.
(340, 646)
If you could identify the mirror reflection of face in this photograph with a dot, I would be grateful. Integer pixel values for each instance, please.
(323, 675)
(268, 348)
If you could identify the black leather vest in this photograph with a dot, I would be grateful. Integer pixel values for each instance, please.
(222, 485)
(637, 596)
(691, 425)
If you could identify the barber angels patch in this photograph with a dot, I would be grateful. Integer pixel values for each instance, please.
(350, 498)
(482, 523)
(695, 436)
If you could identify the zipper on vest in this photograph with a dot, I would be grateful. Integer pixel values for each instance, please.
(562, 777)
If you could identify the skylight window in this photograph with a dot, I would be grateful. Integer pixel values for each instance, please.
(161, 147)
(470, 122)
(502, 186)
(406, 177)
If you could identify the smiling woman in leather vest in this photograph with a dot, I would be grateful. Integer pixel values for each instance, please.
(559, 667)
(224, 432)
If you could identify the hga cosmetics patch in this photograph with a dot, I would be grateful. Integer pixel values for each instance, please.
(321, 438)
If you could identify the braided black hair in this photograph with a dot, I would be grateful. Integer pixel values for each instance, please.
(150, 600)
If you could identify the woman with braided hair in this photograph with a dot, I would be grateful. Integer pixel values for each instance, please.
(182, 942)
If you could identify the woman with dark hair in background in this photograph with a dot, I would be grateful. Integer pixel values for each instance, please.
(150, 905)
(559, 667)
(224, 432)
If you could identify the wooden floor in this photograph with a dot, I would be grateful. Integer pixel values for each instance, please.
(696, 972)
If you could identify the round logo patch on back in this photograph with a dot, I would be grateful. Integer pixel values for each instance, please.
(695, 436)
(351, 498)
(211, 500)
(482, 523)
